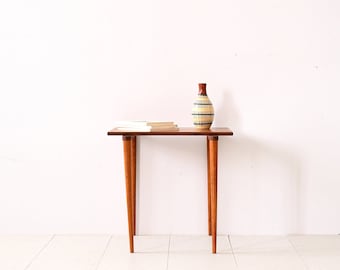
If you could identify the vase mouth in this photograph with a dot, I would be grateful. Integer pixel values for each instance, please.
(202, 89)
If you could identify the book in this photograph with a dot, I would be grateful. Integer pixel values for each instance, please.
(144, 124)
(149, 128)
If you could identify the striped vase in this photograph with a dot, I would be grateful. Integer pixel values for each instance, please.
(203, 110)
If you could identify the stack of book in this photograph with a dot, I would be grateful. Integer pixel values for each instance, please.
(146, 126)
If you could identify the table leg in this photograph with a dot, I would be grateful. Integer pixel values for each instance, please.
(209, 190)
(133, 178)
(212, 162)
(128, 145)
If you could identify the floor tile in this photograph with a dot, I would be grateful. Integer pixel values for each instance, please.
(104, 252)
(151, 252)
(17, 251)
(71, 252)
(265, 252)
(318, 252)
(194, 252)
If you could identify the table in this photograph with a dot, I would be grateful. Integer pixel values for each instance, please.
(130, 149)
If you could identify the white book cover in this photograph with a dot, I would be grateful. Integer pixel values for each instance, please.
(149, 128)
(144, 123)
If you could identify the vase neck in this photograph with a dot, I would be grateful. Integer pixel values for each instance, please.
(202, 89)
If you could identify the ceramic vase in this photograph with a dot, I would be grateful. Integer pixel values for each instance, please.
(203, 110)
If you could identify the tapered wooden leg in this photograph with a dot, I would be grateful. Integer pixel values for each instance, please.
(213, 149)
(127, 144)
(209, 191)
(133, 180)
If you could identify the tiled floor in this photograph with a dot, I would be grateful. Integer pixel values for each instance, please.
(103, 252)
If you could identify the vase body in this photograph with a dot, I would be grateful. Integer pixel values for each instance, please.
(203, 110)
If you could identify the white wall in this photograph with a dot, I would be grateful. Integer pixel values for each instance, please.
(69, 69)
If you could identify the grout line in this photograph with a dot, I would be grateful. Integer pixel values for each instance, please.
(298, 253)
(39, 252)
(103, 253)
(167, 259)
(232, 251)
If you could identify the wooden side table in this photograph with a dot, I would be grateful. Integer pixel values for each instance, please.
(130, 146)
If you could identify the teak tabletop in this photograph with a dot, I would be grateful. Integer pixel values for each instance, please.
(130, 156)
